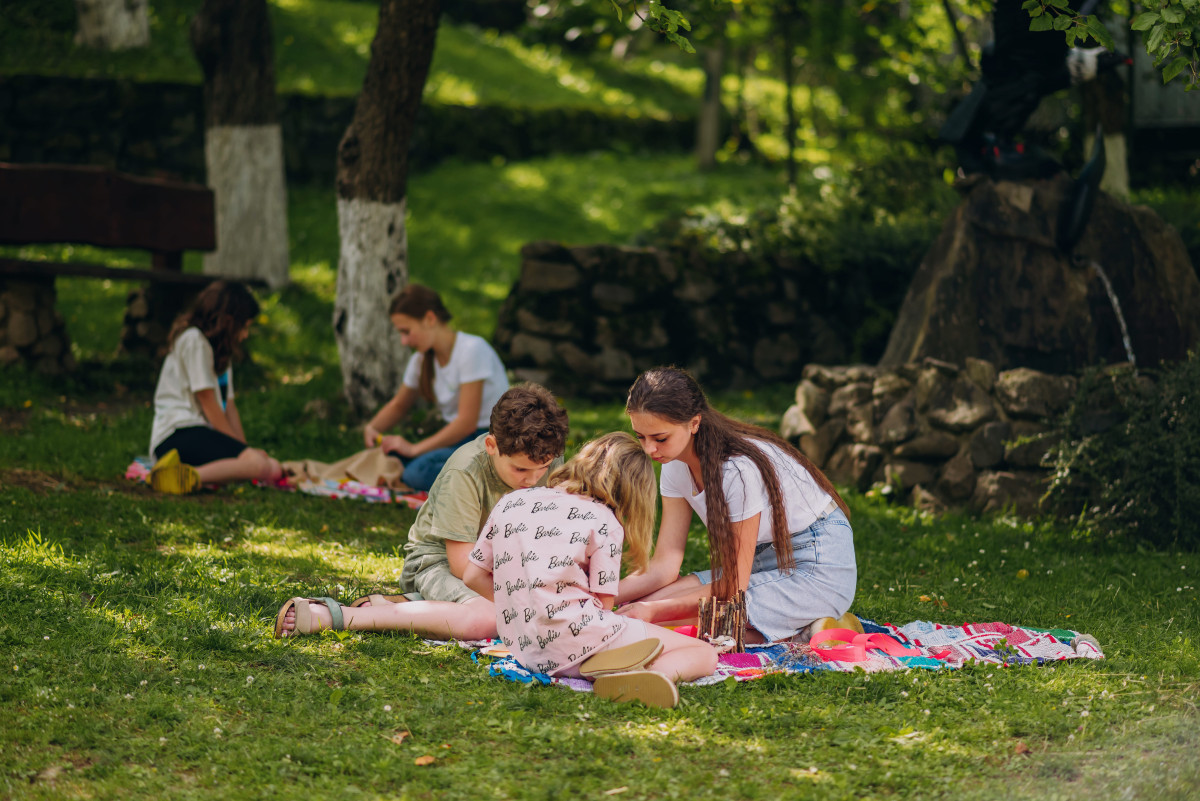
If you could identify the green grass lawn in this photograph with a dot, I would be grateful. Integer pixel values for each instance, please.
(322, 47)
(137, 636)
(140, 663)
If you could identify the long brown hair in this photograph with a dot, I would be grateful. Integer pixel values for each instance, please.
(614, 470)
(673, 395)
(416, 301)
(220, 311)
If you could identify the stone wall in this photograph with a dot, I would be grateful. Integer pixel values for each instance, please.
(150, 311)
(587, 320)
(935, 434)
(31, 328)
(158, 129)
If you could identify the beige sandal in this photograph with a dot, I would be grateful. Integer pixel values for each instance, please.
(648, 686)
(306, 622)
(619, 660)
(377, 599)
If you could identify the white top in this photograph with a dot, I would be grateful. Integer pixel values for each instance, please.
(472, 359)
(746, 493)
(187, 370)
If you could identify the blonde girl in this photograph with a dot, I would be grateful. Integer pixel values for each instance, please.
(550, 559)
(457, 372)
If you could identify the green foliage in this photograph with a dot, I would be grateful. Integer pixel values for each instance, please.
(1129, 460)
(1171, 32)
(854, 239)
(1179, 206)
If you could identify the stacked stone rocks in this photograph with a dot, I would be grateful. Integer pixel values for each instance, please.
(935, 434)
(587, 320)
(31, 328)
(150, 311)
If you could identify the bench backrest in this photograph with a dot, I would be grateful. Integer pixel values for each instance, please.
(50, 203)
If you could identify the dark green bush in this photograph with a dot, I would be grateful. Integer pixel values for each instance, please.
(852, 242)
(1129, 461)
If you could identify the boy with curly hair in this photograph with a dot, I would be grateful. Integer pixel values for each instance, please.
(526, 437)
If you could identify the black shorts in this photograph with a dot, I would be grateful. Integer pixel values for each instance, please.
(200, 445)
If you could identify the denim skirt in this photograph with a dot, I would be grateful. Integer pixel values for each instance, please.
(780, 604)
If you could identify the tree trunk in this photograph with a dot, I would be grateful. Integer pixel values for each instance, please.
(708, 124)
(787, 58)
(371, 188)
(243, 142)
(1104, 105)
(112, 24)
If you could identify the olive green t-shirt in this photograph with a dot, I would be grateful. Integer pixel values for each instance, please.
(460, 500)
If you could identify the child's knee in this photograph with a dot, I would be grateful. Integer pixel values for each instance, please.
(261, 465)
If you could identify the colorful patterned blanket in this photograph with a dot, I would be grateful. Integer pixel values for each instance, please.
(942, 647)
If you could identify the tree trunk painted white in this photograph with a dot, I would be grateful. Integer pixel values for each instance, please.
(112, 24)
(372, 266)
(245, 171)
(1116, 164)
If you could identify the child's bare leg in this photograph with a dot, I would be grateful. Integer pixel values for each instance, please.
(251, 464)
(683, 658)
(474, 619)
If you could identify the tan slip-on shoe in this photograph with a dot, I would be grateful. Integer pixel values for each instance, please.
(648, 686)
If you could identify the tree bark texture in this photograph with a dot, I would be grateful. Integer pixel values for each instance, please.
(232, 42)
(112, 24)
(708, 124)
(243, 142)
(372, 185)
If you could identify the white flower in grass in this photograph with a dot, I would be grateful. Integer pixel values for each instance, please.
(249, 679)
(387, 707)
(46, 637)
(926, 711)
(904, 693)
(201, 667)
(128, 696)
(162, 740)
(1084, 713)
(142, 683)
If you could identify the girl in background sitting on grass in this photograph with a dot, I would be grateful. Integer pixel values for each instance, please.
(550, 559)
(458, 372)
(197, 437)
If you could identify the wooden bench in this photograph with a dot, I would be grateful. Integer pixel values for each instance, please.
(59, 204)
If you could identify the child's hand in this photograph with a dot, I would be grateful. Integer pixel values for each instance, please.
(639, 610)
(397, 444)
(371, 436)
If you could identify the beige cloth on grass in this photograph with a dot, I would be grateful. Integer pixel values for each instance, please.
(371, 466)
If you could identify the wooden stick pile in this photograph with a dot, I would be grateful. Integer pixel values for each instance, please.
(719, 618)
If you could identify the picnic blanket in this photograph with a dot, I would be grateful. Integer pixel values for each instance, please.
(326, 485)
(941, 647)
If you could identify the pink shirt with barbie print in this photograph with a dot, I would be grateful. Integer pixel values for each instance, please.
(550, 553)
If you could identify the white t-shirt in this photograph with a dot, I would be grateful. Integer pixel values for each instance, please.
(472, 359)
(187, 370)
(746, 493)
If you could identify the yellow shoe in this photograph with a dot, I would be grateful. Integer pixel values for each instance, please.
(168, 459)
(847, 621)
(172, 477)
